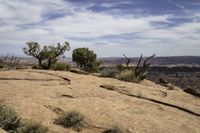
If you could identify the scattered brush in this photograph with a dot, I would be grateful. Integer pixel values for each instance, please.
(32, 127)
(1, 66)
(9, 120)
(128, 75)
(35, 67)
(109, 73)
(61, 67)
(136, 74)
(71, 119)
(120, 67)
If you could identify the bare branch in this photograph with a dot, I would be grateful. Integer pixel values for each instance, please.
(10, 61)
(149, 58)
(128, 60)
(138, 64)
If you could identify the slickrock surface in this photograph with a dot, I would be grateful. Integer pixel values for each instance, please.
(146, 107)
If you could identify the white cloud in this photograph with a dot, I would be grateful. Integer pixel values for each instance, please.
(23, 21)
(176, 4)
(95, 25)
(18, 12)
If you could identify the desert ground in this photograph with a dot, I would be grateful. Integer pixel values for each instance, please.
(41, 96)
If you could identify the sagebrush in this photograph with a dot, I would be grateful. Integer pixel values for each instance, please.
(109, 73)
(71, 119)
(32, 127)
(127, 75)
(9, 119)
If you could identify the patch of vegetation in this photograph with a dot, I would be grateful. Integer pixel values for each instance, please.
(113, 72)
(140, 71)
(86, 59)
(127, 75)
(109, 73)
(61, 66)
(109, 87)
(35, 67)
(120, 67)
(10, 61)
(135, 74)
(32, 127)
(71, 119)
(1, 66)
(116, 129)
(9, 120)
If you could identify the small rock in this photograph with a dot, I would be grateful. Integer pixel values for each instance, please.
(78, 71)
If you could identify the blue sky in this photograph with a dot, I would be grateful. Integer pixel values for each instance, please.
(109, 27)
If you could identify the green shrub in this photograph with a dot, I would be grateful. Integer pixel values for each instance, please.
(129, 75)
(92, 67)
(61, 66)
(71, 119)
(135, 74)
(9, 120)
(35, 67)
(116, 129)
(120, 67)
(1, 66)
(109, 73)
(86, 59)
(32, 127)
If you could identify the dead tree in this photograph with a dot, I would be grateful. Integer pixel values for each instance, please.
(13, 62)
(5, 58)
(128, 60)
(10, 61)
(141, 68)
(140, 71)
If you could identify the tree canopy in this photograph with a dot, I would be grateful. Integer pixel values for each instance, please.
(85, 59)
(47, 55)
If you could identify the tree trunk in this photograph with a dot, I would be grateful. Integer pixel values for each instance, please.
(40, 63)
(49, 63)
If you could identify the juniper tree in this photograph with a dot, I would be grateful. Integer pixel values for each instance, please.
(47, 55)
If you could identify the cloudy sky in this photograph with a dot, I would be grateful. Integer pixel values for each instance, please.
(109, 27)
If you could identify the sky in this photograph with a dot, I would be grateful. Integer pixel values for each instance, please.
(108, 27)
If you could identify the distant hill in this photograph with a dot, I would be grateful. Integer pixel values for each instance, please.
(158, 61)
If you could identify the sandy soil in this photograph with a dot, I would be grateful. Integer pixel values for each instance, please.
(39, 95)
